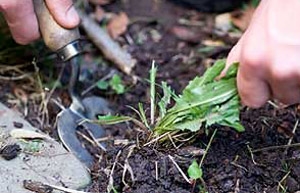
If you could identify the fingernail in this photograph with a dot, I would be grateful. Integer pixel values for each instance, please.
(72, 16)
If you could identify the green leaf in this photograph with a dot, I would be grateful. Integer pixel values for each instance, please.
(194, 171)
(103, 85)
(152, 92)
(193, 125)
(206, 49)
(209, 75)
(232, 71)
(205, 101)
(112, 119)
(116, 84)
(165, 100)
(143, 115)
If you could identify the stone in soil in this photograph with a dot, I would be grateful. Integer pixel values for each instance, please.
(45, 161)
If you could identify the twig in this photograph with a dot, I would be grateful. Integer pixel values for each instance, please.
(280, 186)
(111, 50)
(68, 190)
(106, 77)
(156, 139)
(251, 154)
(96, 142)
(55, 101)
(237, 186)
(110, 185)
(156, 170)
(16, 67)
(276, 147)
(86, 138)
(173, 143)
(43, 105)
(291, 139)
(37, 186)
(127, 167)
(180, 170)
(208, 146)
(46, 100)
(239, 166)
(15, 77)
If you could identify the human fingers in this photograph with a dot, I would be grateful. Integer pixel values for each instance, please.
(21, 19)
(252, 83)
(286, 92)
(285, 78)
(233, 57)
(63, 12)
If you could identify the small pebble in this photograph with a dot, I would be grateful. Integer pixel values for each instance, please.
(10, 152)
(18, 125)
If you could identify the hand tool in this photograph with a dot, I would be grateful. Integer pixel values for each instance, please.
(65, 42)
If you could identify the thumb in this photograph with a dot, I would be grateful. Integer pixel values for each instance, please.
(233, 57)
(63, 12)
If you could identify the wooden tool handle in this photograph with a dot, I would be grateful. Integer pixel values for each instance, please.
(55, 36)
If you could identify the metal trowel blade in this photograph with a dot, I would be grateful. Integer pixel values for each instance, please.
(67, 124)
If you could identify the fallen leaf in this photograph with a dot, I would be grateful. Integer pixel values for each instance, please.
(213, 43)
(223, 22)
(27, 134)
(242, 19)
(21, 95)
(185, 34)
(118, 25)
(286, 129)
(100, 2)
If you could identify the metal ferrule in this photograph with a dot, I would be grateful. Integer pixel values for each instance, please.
(69, 51)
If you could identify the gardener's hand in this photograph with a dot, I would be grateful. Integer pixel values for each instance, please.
(22, 20)
(269, 54)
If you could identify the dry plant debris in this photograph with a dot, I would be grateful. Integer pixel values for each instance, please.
(110, 49)
(241, 19)
(117, 25)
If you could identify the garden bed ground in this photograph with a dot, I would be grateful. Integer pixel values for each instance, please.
(236, 162)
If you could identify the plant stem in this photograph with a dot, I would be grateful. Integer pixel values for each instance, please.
(152, 92)
(208, 146)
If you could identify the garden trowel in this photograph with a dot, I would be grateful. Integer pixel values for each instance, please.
(65, 42)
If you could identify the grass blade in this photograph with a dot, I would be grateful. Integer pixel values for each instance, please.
(152, 92)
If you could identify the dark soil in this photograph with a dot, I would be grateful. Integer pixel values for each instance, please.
(236, 162)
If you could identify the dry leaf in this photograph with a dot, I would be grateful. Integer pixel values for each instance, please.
(185, 34)
(242, 19)
(118, 25)
(213, 43)
(223, 22)
(28, 134)
(21, 95)
(100, 2)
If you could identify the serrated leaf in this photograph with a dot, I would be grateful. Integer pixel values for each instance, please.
(165, 100)
(205, 101)
(209, 76)
(193, 125)
(194, 171)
